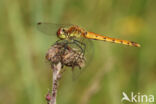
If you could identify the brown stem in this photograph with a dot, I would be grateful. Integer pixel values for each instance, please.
(56, 77)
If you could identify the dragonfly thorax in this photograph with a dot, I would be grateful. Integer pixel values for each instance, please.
(69, 33)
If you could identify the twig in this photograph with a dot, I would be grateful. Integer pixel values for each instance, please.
(55, 78)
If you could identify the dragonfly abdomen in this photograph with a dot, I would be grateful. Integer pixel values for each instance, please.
(91, 35)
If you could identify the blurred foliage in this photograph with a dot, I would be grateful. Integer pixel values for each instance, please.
(25, 76)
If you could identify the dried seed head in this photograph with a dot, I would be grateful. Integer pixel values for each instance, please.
(53, 54)
(68, 56)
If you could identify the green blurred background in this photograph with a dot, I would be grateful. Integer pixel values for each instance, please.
(25, 76)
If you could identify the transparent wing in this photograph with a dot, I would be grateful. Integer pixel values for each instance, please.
(50, 28)
(89, 56)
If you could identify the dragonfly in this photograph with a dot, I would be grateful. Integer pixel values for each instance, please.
(71, 33)
(74, 34)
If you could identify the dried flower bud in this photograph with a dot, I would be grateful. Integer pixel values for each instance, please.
(68, 56)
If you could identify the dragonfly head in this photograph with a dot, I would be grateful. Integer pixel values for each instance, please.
(62, 33)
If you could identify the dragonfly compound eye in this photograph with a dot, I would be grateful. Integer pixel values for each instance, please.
(63, 30)
(61, 33)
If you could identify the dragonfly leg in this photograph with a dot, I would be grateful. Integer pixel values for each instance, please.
(61, 41)
(84, 45)
(76, 42)
(58, 41)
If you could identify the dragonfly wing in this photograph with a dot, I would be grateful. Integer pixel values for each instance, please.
(50, 28)
(89, 54)
(89, 51)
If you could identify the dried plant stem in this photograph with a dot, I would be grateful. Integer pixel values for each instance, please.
(55, 78)
(59, 55)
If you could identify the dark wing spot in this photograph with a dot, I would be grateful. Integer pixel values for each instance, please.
(121, 41)
(39, 23)
(128, 43)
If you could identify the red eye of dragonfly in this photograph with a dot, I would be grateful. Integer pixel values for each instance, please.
(59, 31)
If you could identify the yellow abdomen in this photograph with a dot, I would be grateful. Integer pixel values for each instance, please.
(91, 35)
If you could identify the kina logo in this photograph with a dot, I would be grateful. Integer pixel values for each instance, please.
(137, 98)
